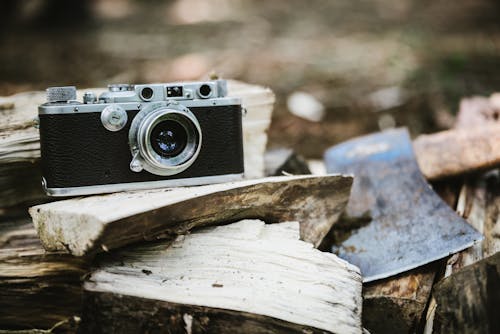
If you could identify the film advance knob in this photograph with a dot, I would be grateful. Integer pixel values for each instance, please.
(61, 94)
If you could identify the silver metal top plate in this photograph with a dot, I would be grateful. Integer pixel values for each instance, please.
(98, 107)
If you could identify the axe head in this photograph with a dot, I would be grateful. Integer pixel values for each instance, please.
(410, 225)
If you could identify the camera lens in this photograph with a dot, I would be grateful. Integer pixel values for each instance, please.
(168, 138)
(146, 93)
(205, 91)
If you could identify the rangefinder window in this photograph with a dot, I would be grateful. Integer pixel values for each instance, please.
(205, 91)
(146, 93)
(174, 91)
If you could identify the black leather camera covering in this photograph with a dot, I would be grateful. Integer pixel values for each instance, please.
(78, 151)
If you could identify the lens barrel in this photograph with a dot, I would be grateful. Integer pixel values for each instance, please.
(168, 140)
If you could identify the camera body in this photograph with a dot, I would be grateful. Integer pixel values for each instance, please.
(140, 137)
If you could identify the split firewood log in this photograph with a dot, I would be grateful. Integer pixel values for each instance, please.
(458, 151)
(396, 304)
(20, 148)
(479, 203)
(258, 104)
(468, 300)
(473, 145)
(38, 290)
(246, 277)
(92, 224)
(479, 200)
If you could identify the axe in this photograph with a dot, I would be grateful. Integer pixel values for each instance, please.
(409, 225)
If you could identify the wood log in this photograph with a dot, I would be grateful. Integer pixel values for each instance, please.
(246, 277)
(21, 185)
(479, 200)
(396, 304)
(479, 203)
(92, 224)
(468, 300)
(458, 151)
(258, 104)
(38, 290)
(473, 145)
(20, 148)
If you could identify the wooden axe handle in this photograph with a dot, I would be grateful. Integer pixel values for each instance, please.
(458, 151)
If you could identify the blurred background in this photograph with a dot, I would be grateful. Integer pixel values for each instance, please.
(338, 68)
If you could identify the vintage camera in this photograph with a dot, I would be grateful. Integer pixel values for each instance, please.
(139, 137)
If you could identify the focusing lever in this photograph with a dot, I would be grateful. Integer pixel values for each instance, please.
(136, 163)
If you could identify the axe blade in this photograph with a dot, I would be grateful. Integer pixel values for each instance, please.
(410, 225)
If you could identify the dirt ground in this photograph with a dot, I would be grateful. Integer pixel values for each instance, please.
(372, 64)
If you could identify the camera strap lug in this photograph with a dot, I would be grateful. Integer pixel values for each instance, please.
(36, 122)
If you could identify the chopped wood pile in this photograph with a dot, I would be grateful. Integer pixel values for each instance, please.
(252, 256)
